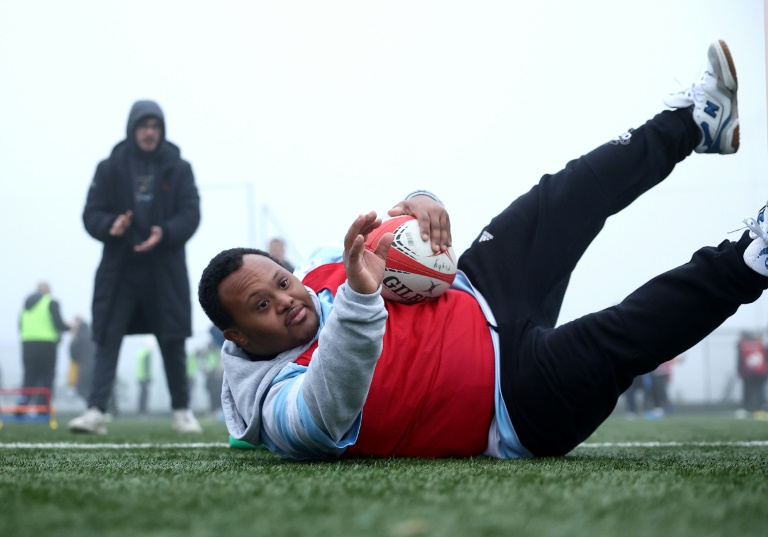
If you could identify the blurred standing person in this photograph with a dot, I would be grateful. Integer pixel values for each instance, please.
(193, 367)
(214, 376)
(81, 353)
(277, 250)
(144, 206)
(753, 371)
(40, 326)
(639, 387)
(660, 378)
(144, 376)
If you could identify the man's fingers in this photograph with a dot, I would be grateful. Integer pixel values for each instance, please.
(382, 249)
(441, 232)
(146, 245)
(121, 223)
(155, 236)
(363, 224)
(357, 248)
(353, 231)
(399, 209)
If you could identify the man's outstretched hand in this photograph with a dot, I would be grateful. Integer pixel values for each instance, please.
(365, 269)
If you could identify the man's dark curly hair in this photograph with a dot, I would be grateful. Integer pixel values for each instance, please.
(221, 266)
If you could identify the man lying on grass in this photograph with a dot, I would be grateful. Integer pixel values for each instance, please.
(325, 367)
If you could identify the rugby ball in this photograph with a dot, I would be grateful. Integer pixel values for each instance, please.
(413, 272)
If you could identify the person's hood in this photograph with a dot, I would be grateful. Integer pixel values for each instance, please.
(139, 111)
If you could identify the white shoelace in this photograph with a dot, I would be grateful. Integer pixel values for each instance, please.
(697, 88)
(756, 229)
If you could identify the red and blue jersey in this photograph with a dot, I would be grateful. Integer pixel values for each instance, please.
(432, 393)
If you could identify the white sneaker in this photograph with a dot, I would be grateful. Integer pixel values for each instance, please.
(715, 107)
(90, 421)
(184, 422)
(756, 254)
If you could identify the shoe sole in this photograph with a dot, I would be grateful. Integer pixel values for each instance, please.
(732, 138)
(725, 58)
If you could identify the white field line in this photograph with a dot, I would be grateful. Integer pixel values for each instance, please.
(72, 445)
(750, 443)
(197, 445)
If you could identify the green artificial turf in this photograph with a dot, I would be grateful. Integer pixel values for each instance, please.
(706, 486)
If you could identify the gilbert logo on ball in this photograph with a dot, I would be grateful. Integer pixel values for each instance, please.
(413, 272)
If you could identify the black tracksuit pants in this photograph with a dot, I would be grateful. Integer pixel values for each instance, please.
(133, 297)
(559, 384)
(39, 359)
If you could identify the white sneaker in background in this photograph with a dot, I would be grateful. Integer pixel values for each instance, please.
(90, 421)
(184, 422)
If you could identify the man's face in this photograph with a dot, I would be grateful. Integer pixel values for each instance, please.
(272, 310)
(148, 133)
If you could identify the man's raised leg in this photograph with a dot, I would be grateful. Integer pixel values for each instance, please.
(523, 259)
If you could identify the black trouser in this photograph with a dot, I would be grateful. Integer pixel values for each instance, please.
(559, 384)
(39, 359)
(754, 393)
(132, 297)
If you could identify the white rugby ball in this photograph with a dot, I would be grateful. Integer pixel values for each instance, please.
(413, 272)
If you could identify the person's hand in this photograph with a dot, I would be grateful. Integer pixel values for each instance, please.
(365, 268)
(121, 224)
(155, 236)
(433, 220)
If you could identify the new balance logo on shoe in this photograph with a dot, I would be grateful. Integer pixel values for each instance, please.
(711, 109)
(485, 236)
(709, 144)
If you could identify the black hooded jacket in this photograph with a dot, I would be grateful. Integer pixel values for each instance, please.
(175, 207)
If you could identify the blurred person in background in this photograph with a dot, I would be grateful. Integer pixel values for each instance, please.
(214, 376)
(40, 328)
(277, 250)
(753, 371)
(193, 366)
(659, 388)
(144, 376)
(637, 390)
(143, 205)
(215, 371)
(82, 350)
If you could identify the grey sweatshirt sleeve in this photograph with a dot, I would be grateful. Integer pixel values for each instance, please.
(339, 376)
